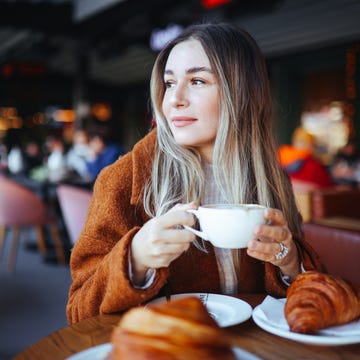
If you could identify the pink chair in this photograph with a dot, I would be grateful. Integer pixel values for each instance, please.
(20, 209)
(74, 203)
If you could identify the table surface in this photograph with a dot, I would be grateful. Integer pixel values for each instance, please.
(247, 335)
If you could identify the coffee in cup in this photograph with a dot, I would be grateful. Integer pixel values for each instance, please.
(228, 225)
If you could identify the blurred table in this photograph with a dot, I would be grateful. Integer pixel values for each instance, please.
(247, 335)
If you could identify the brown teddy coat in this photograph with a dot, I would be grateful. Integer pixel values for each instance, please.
(99, 260)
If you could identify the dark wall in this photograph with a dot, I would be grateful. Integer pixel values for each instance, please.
(301, 80)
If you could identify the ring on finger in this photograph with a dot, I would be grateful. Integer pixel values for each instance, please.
(282, 253)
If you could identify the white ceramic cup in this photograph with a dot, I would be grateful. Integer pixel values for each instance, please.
(228, 226)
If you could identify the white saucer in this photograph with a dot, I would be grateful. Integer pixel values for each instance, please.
(318, 339)
(100, 352)
(226, 310)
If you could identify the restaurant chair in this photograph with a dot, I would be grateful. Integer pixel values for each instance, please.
(74, 202)
(303, 191)
(21, 209)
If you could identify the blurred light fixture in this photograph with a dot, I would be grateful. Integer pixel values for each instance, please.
(38, 119)
(210, 4)
(16, 122)
(23, 69)
(102, 112)
(9, 119)
(160, 37)
(8, 112)
(3, 124)
(64, 116)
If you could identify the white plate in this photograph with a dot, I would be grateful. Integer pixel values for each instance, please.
(226, 310)
(303, 338)
(100, 352)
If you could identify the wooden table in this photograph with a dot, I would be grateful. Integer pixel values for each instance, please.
(96, 330)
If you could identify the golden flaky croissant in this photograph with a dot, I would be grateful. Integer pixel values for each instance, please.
(316, 300)
(179, 329)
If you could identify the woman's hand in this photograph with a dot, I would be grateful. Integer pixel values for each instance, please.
(161, 240)
(274, 244)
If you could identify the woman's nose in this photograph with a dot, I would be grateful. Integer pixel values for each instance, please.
(179, 97)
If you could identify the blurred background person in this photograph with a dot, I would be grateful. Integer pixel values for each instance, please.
(300, 162)
(57, 169)
(345, 168)
(15, 161)
(33, 157)
(78, 153)
(104, 151)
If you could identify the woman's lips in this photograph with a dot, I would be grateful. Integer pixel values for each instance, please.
(182, 121)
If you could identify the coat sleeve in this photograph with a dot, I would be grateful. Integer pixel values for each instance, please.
(99, 260)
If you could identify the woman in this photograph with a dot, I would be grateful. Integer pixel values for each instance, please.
(213, 143)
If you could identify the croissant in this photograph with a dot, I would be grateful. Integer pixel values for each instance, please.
(316, 300)
(179, 329)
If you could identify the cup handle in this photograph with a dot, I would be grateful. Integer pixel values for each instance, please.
(194, 231)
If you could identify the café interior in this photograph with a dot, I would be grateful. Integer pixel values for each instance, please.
(67, 65)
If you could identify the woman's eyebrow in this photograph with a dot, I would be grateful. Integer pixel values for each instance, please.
(198, 69)
(191, 70)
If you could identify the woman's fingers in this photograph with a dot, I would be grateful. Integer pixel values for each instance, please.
(175, 218)
(161, 239)
(275, 216)
(273, 240)
(272, 233)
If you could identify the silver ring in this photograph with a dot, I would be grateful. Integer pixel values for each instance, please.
(283, 251)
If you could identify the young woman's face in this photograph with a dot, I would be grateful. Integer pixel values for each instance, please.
(191, 100)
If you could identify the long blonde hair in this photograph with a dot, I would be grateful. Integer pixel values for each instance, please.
(246, 167)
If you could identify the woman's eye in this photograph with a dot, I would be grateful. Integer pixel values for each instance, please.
(198, 81)
(169, 84)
